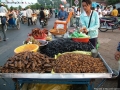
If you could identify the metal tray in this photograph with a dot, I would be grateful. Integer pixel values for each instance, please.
(61, 75)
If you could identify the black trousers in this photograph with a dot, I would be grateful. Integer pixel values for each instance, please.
(30, 21)
(93, 42)
(119, 81)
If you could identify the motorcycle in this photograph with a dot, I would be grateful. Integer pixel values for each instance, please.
(109, 24)
(44, 22)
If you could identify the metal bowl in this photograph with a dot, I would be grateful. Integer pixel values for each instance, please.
(43, 42)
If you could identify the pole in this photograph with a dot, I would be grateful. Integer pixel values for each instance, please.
(71, 3)
(81, 6)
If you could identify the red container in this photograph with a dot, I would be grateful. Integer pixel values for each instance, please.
(85, 40)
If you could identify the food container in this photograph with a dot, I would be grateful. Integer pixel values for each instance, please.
(27, 47)
(82, 39)
(57, 31)
(40, 38)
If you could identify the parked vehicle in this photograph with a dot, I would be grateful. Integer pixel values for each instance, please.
(111, 23)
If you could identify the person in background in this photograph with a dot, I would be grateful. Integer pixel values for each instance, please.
(29, 13)
(4, 11)
(56, 13)
(14, 14)
(104, 12)
(108, 11)
(51, 12)
(37, 12)
(23, 16)
(117, 57)
(42, 14)
(99, 11)
(62, 15)
(72, 18)
(78, 17)
(114, 12)
(89, 27)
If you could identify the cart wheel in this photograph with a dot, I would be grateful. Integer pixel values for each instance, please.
(18, 25)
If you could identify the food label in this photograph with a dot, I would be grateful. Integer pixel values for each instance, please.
(60, 26)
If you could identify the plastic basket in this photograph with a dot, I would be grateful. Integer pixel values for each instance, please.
(85, 40)
(58, 31)
(26, 47)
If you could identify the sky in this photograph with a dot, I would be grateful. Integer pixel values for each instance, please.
(16, 5)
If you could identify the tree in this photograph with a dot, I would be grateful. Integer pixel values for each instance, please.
(112, 2)
(19, 7)
(11, 7)
(6, 6)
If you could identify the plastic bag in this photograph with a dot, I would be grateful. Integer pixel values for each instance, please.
(46, 87)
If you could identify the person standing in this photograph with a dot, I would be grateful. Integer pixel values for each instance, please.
(72, 18)
(62, 15)
(24, 16)
(78, 17)
(3, 11)
(117, 57)
(90, 22)
(56, 12)
(114, 12)
(42, 15)
(104, 12)
(99, 11)
(29, 13)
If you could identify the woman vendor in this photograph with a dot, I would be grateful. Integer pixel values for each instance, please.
(90, 22)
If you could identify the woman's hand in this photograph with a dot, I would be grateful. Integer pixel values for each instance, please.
(85, 30)
(117, 55)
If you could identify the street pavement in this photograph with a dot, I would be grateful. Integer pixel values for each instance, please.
(108, 43)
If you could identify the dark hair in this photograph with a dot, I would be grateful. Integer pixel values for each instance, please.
(98, 6)
(42, 8)
(88, 2)
(92, 8)
(105, 8)
(78, 8)
(114, 7)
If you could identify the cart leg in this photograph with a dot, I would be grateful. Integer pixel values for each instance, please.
(101, 83)
(17, 86)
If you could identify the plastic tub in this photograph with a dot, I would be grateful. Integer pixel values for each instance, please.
(27, 47)
(85, 40)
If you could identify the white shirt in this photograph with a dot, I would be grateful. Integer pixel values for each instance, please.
(99, 12)
(29, 13)
(3, 9)
(78, 14)
(37, 11)
(104, 12)
(14, 14)
(24, 13)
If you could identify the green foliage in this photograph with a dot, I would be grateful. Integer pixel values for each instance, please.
(19, 7)
(112, 2)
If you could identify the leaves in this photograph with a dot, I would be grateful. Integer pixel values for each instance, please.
(112, 2)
